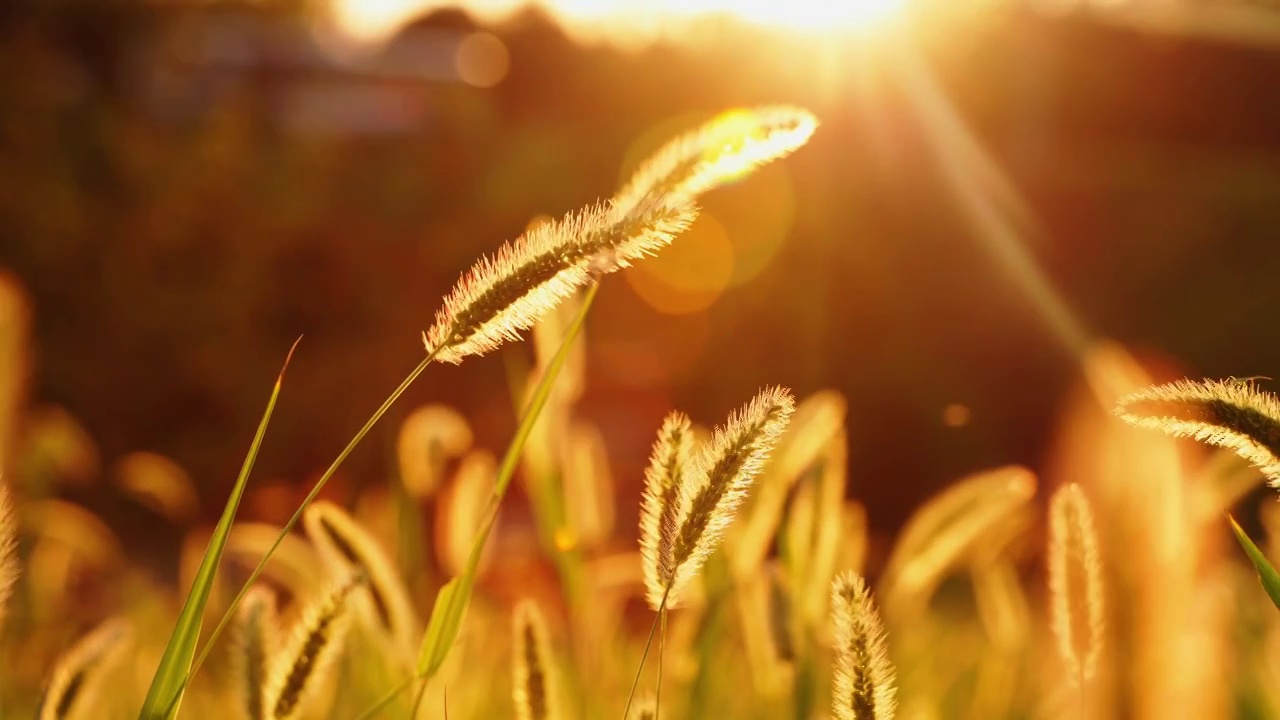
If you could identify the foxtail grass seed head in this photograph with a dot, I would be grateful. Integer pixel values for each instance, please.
(346, 546)
(75, 690)
(1232, 414)
(533, 678)
(719, 478)
(255, 647)
(863, 678)
(8, 550)
(722, 150)
(660, 506)
(502, 296)
(159, 483)
(1075, 582)
(302, 666)
(429, 436)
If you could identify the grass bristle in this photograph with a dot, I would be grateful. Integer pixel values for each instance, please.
(1075, 583)
(660, 507)
(862, 677)
(303, 665)
(1232, 414)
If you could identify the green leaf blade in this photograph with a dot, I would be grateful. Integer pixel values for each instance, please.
(164, 698)
(1267, 574)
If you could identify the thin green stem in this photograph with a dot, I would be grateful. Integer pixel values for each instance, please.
(297, 515)
(662, 644)
(417, 700)
(662, 607)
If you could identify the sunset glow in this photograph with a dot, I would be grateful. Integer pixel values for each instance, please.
(628, 20)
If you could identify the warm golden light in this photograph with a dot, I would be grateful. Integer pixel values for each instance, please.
(623, 20)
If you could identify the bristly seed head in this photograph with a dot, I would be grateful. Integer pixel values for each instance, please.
(501, 297)
(1075, 582)
(863, 678)
(303, 665)
(256, 646)
(1232, 414)
(533, 678)
(722, 150)
(719, 477)
(78, 672)
(346, 546)
(659, 519)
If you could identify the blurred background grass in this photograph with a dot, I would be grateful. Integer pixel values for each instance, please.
(185, 187)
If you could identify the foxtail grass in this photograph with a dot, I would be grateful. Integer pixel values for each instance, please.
(75, 690)
(347, 547)
(723, 149)
(255, 647)
(660, 508)
(533, 687)
(303, 665)
(460, 512)
(708, 492)
(1233, 414)
(863, 677)
(946, 530)
(429, 436)
(502, 296)
(719, 479)
(1075, 583)
(498, 299)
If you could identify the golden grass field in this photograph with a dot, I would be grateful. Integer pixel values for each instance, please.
(1108, 586)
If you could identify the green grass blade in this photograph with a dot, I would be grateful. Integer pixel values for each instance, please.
(167, 685)
(302, 507)
(455, 596)
(1266, 573)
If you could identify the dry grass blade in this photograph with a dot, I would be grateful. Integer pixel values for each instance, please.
(1231, 413)
(255, 646)
(660, 507)
(75, 688)
(502, 296)
(533, 677)
(1075, 582)
(719, 477)
(863, 678)
(347, 547)
(302, 667)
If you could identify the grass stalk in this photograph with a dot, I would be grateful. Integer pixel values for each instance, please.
(451, 603)
(293, 521)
